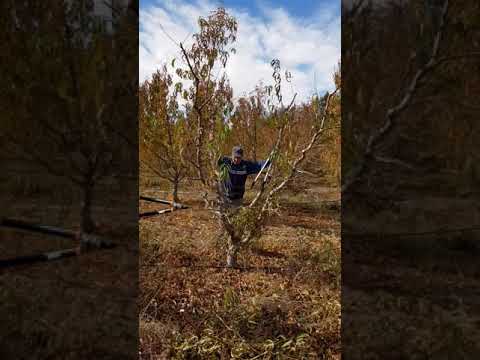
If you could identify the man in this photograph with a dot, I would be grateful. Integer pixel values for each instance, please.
(238, 170)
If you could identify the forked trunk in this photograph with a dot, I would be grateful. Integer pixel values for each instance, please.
(205, 200)
(232, 253)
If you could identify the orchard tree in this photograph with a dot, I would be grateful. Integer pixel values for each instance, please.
(67, 84)
(163, 130)
(248, 121)
(212, 49)
(430, 91)
(325, 157)
(287, 156)
(209, 97)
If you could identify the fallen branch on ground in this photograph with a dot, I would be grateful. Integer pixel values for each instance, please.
(46, 256)
(174, 204)
(155, 212)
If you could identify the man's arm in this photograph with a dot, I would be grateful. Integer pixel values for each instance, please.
(254, 167)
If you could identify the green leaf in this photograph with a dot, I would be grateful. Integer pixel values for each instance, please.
(224, 171)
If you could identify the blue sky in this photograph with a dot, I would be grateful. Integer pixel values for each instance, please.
(301, 8)
(304, 35)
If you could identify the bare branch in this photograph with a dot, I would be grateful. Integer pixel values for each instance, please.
(187, 58)
(274, 151)
(198, 110)
(154, 170)
(302, 156)
(392, 161)
(394, 112)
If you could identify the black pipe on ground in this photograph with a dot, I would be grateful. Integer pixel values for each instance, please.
(43, 257)
(86, 241)
(50, 230)
(31, 259)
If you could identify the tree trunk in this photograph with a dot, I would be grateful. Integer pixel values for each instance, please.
(175, 191)
(205, 200)
(87, 224)
(232, 253)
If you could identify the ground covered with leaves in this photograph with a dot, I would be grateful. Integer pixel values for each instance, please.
(83, 307)
(413, 293)
(282, 303)
(415, 307)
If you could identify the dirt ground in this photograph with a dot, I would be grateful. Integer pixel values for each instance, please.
(283, 303)
(418, 306)
(412, 293)
(82, 307)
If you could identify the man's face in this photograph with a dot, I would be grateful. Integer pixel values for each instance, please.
(237, 160)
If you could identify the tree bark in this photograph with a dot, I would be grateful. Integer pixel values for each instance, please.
(87, 224)
(175, 191)
(232, 253)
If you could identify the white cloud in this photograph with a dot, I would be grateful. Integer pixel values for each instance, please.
(308, 48)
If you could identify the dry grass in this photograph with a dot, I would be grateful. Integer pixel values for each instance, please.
(283, 303)
(410, 300)
(77, 308)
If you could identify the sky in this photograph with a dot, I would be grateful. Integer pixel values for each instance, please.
(303, 35)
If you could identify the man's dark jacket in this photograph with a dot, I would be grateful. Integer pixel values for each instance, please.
(235, 183)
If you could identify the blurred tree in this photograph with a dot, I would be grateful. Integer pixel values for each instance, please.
(67, 84)
(163, 130)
